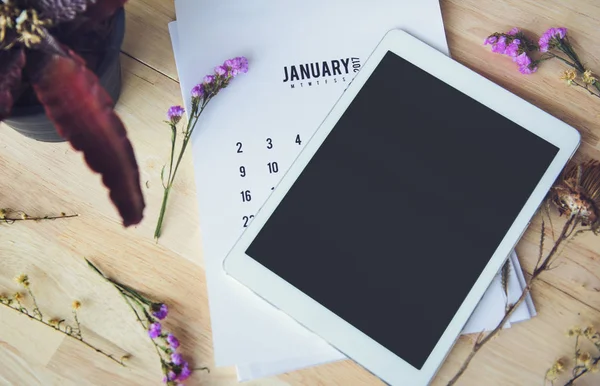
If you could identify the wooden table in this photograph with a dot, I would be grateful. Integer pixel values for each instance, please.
(45, 178)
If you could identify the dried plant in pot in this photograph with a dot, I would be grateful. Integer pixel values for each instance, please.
(55, 57)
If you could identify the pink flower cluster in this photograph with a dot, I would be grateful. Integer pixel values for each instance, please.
(516, 45)
(552, 38)
(511, 45)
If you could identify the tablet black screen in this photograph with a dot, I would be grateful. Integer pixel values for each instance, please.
(396, 215)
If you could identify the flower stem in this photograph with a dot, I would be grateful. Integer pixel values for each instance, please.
(36, 309)
(173, 139)
(137, 315)
(120, 287)
(191, 125)
(562, 59)
(163, 208)
(78, 324)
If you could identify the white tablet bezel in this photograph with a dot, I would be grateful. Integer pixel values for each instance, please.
(340, 334)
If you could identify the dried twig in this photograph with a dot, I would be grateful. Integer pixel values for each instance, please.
(10, 216)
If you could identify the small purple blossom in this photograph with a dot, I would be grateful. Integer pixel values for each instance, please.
(528, 70)
(155, 330)
(160, 310)
(525, 64)
(523, 60)
(177, 359)
(490, 40)
(185, 372)
(242, 64)
(208, 79)
(500, 46)
(513, 31)
(221, 70)
(198, 91)
(513, 48)
(551, 37)
(236, 65)
(175, 113)
(173, 341)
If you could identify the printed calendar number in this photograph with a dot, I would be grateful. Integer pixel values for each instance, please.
(269, 143)
(239, 147)
(246, 197)
(298, 141)
(246, 219)
(273, 167)
(242, 171)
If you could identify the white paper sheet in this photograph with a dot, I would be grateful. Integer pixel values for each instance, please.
(256, 358)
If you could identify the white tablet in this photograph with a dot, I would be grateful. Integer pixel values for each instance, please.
(387, 229)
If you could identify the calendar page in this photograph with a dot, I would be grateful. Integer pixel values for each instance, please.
(251, 133)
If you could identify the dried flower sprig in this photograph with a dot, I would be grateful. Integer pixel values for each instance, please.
(576, 194)
(149, 315)
(201, 94)
(583, 361)
(16, 302)
(10, 216)
(553, 44)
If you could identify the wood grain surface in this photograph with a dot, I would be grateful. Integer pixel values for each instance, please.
(43, 178)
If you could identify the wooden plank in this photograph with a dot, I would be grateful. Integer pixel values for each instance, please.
(147, 36)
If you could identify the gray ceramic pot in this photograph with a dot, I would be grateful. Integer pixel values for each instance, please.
(32, 122)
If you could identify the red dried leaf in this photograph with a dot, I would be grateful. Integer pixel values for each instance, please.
(103, 9)
(11, 68)
(82, 113)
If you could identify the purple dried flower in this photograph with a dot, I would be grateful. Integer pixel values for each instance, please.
(513, 31)
(173, 341)
(208, 79)
(198, 91)
(551, 37)
(561, 32)
(242, 64)
(500, 46)
(175, 113)
(525, 64)
(185, 372)
(155, 330)
(523, 60)
(236, 65)
(221, 70)
(490, 40)
(513, 48)
(528, 70)
(160, 310)
(177, 359)
(171, 376)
